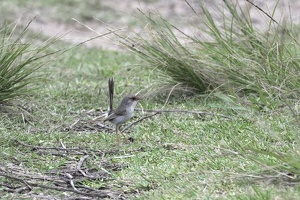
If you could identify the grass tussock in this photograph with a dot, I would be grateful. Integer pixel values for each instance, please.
(20, 58)
(231, 56)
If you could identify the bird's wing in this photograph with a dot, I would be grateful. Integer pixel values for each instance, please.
(120, 111)
(117, 112)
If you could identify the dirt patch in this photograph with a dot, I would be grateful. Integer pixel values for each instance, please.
(122, 17)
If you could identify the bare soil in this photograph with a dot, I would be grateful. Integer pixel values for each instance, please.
(122, 16)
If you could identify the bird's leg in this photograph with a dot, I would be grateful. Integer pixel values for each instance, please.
(117, 136)
(124, 137)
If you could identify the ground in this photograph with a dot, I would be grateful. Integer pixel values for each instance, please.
(60, 148)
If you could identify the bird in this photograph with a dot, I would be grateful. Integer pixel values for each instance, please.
(124, 112)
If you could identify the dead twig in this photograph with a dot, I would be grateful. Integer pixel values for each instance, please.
(185, 111)
(82, 159)
(46, 148)
(38, 177)
(82, 151)
(104, 126)
(70, 177)
(16, 190)
(76, 122)
(98, 193)
(141, 119)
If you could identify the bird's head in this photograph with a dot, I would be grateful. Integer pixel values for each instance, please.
(130, 99)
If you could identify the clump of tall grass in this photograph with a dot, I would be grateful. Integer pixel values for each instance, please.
(20, 57)
(230, 55)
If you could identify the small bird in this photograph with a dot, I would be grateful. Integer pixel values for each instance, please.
(124, 112)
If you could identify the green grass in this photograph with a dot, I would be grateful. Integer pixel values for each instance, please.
(173, 156)
(183, 156)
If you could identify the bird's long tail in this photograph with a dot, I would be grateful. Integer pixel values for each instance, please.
(110, 94)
